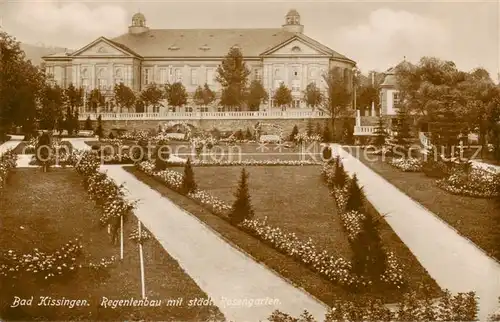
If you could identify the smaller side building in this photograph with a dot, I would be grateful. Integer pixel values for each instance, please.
(387, 108)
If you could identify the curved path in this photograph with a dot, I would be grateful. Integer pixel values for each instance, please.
(221, 270)
(452, 260)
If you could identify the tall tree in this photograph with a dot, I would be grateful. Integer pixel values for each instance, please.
(21, 87)
(52, 104)
(232, 74)
(313, 96)
(338, 98)
(369, 258)
(445, 127)
(257, 95)
(188, 182)
(124, 96)
(368, 89)
(176, 94)
(152, 96)
(75, 95)
(95, 99)
(283, 96)
(430, 86)
(402, 128)
(198, 96)
(203, 95)
(99, 130)
(380, 133)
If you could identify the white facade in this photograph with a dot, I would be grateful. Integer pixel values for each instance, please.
(296, 62)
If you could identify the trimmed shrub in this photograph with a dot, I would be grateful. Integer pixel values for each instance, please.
(412, 307)
(295, 131)
(188, 182)
(242, 207)
(355, 201)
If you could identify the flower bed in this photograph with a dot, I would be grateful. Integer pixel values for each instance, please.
(407, 164)
(7, 164)
(475, 183)
(173, 180)
(101, 188)
(351, 221)
(59, 263)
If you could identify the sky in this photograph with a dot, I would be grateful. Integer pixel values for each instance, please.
(377, 35)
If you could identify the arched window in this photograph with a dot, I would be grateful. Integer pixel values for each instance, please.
(118, 73)
(296, 49)
(346, 74)
(277, 73)
(101, 50)
(100, 74)
(85, 73)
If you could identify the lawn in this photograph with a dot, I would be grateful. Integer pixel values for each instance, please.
(296, 199)
(46, 210)
(474, 218)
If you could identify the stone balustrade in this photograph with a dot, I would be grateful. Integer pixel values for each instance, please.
(207, 115)
(364, 130)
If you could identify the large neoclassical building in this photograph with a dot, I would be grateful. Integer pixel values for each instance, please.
(144, 56)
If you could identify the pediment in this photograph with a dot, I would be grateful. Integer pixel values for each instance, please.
(101, 47)
(295, 47)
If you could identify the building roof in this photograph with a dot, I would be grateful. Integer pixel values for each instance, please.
(390, 77)
(211, 42)
(138, 16)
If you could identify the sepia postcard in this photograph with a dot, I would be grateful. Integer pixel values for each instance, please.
(247, 161)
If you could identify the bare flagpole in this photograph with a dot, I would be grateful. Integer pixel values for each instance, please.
(141, 256)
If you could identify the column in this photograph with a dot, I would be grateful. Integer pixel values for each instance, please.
(373, 109)
(92, 77)
(286, 79)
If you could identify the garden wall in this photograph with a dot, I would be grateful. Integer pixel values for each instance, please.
(222, 125)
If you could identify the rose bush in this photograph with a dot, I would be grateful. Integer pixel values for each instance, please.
(102, 189)
(351, 222)
(57, 264)
(407, 164)
(477, 183)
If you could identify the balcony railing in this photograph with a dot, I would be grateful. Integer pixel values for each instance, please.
(206, 115)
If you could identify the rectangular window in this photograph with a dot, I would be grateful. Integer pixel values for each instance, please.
(258, 74)
(163, 76)
(194, 77)
(146, 76)
(395, 99)
(178, 75)
(203, 108)
(102, 84)
(296, 103)
(210, 76)
(50, 71)
(296, 85)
